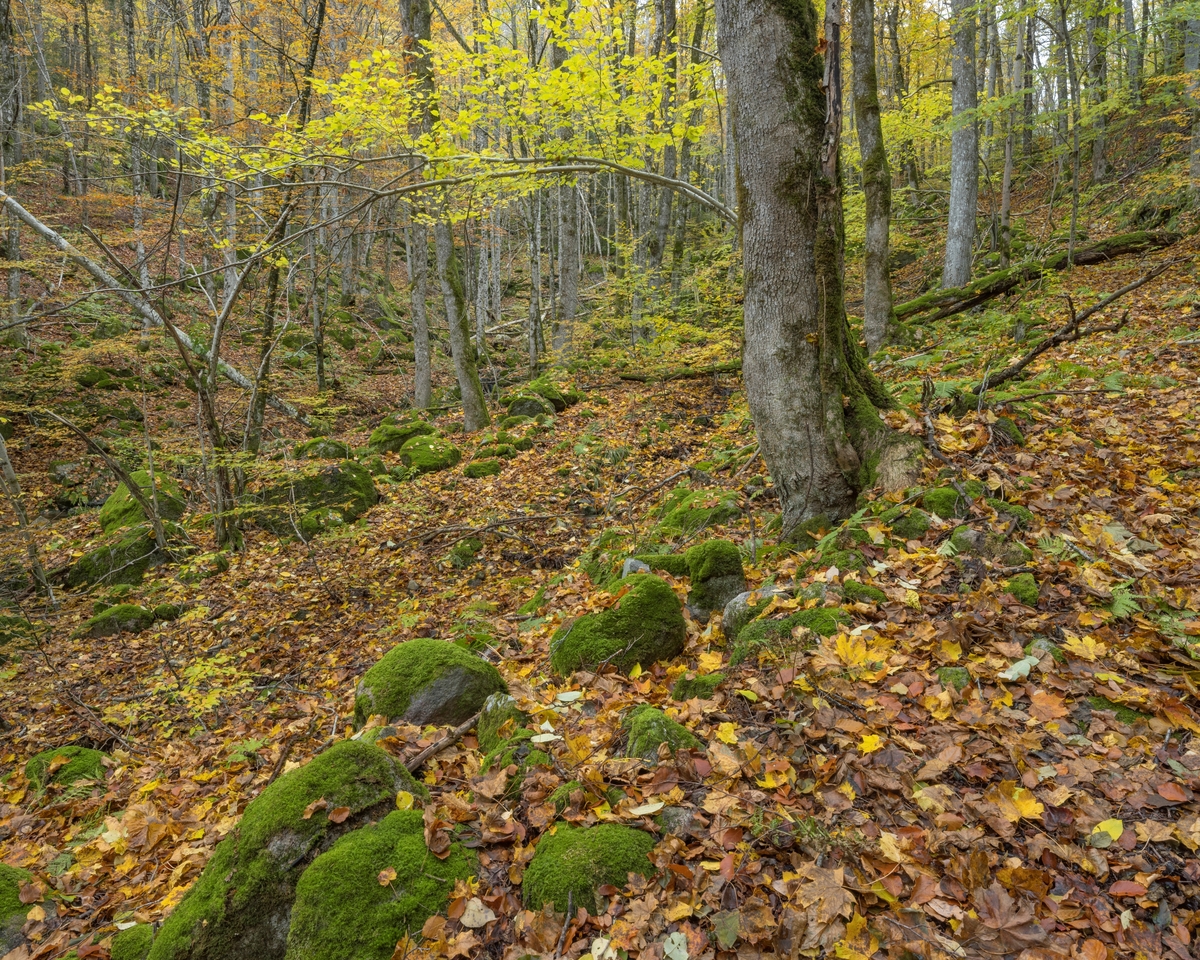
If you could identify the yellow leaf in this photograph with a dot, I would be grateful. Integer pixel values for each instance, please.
(709, 662)
(386, 876)
(1086, 647)
(869, 743)
(727, 733)
(1114, 828)
(1014, 802)
(404, 800)
(677, 911)
(951, 650)
(889, 847)
(635, 672)
(36, 912)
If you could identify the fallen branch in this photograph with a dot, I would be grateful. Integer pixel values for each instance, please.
(448, 740)
(687, 373)
(486, 528)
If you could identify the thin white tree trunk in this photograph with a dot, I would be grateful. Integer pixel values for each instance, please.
(964, 150)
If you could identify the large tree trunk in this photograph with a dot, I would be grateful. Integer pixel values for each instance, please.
(1191, 63)
(811, 396)
(876, 174)
(964, 150)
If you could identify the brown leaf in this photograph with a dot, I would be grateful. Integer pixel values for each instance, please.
(1127, 888)
(319, 804)
(825, 890)
(1173, 792)
(1047, 706)
(1003, 925)
(339, 814)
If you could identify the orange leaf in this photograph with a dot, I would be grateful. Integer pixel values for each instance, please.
(339, 814)
(319, 804)
(386, 876)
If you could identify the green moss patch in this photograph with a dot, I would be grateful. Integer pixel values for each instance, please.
(121, 510)
(1022, 515)
(482, 468)
(908, 523)
(123, 618)
(343, 912)
(12, 910)
(646, 625)
(956, 677)
(529, 405)
(391, 437)
(239, 908)
(427, 454)
(426, 681)
(857, 592)
(697, 688)
(714, 568)
(133, 944)
(571, 864)
(499, 719)
(345, 488)
(649, 727)
(1126, 715)
(82, 764)
(322, 448)
(762, 633)
(1024, 587)
(686, 511)
(123, 560)
(945, 502)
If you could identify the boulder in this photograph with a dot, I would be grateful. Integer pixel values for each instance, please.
(907, 523)
(633, 565)
(697, 688)
(571, 864)
(121, 510)
(426, 454)
(477, 469)
(649, 728)
(133, 943)
(856, 592)
(345, 488)
(548, 390)
(715, 568)
(122, 560)
(390, 437)
(499, 719)
(425, 681)
(344, 910)
(529, 405)
(822, 621)
(744, 607)
(687, 511)
(644, 626)
(322, 448)
(240, 908)
(989, 546)
(12, 910)
(122, 618)
(64, 767)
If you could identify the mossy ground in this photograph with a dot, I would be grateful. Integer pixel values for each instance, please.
(945, 502)
(83, 763)
(133, 944)
(343, 912)
(649, 727)
(956, 677)
(1024, 587)
(11, 907)
(388, 688)
(907, 523)
(760, 633)
(857, 592)
(702, 687)
(482, 468)
(572, 863)
(646, 625)
(499, 719)
(1123, 713)
(121, 510)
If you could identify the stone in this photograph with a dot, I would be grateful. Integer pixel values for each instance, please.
(633, 565)
(121, 618)
(907, 523)
(322, 448)
(499, 719)
(857, 592)
(122, 560)
(122, 510)
(428, 454)
(64, 767)
(957, 677)
(477, 469)
(571, 864)
(345, 488)
(744, 607)
(715, 569)
(822, 621)
(529, 405)
(697, 688)
(1024, 588)
(12, 910)
(649, 728)
(390, 437)
(426, 681)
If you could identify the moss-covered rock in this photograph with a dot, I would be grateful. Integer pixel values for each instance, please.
(427, 681)
(1024, 587)
(322, 448)
(715, 568)
(499, 719)
(518, 751)
(133, 944)
(945, 502)
(857, 592)
(240, 907)
(989, 546)
(743, 608)
(390, 437)
(548, 390)
(686, 511)
(1007, 431)
(12, 911)
(497, 450)
(343, 912)
(482, 468)
(822, 621)
(907, 523)
(1022, 515)
(427, 454)
(561, 797)
(644, 626)
(64, 767)
(572, 863)
(121, 510)
(509, 422)
(529, 405)
(697, 688)
(122, 618)
(676, 564)
(345, 488)
(649, 727)
(122, 560)
(956, 677)
(319, 521)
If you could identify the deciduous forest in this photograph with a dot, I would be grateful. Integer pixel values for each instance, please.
(599, 479)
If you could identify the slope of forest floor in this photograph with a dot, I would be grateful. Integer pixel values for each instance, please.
(954, 772)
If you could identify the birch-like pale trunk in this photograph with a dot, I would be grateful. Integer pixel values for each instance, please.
(462, 347)
(964, 150)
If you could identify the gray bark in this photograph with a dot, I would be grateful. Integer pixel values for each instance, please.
(462, 347)
(964, 150)
(418, 271)
(1191, 63)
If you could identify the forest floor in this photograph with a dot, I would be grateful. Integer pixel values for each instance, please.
(853, 796)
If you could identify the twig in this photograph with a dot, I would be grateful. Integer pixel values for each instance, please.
(562, 937)
(448, 740)
(285, 753)
(91, 715)
(486, 528)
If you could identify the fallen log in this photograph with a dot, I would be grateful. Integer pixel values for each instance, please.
(686, 373)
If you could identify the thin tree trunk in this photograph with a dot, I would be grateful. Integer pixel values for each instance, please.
(964, 150)
(1191, 63)
(418, 268)
(12, 489)
(1018, 74)
(462, 347)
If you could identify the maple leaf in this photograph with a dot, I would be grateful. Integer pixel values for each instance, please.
(1013, 801)
(1003, 926)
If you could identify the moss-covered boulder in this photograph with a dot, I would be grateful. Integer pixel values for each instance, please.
(65, 768)
(529, 405)
(497, 450)
(499, 719)
(907, 523)
(477, 469)
(715, 569)
(697, 688)
(1021, 517)
(644, 626)
(122, 618)
(822, 621)
(345, 488)
(549, 391)
(517, 751)
(240, 908)
(649, 728)
(12, 911)
(426, 454)
(123, 560)
(945, 502)
(687, 511)
(1024, 588)
(427, 681)
(856, 592)
(133, 943)
(390, 437)
(989, 546)
(571, 864)
(344, 912)
(121, 510)
(322, 448)
(743, 608)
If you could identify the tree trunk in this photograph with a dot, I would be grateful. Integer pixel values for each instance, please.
(964, 150)
(876, 174)
(462, 347)
(1133, 54)
(1018, 77)
(1097, 71)
(811, 395)
(1191, 63)
(418, 272)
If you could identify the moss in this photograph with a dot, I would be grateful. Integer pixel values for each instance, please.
(835, 556)
(1039, 645)
(676, 564)
(343, 912)
(649, 727)
(12, 910)
(964, 539)
(702, 687)
(957, 677)
(345, 488)
(561, 798)
(1007, 430)
(534, 604)
(822, 621)
(1022, 515)
(169, 611)
(1125, 714)
(523, 444)
(463, 553)
(548, 390)
(509, 422)
(322, 448)
(499, 710)
(570, 864)
(529, 405)
(944, 502)
(390, 437)
(857, 592)
(687, 511)
(133, 944)
(121, 510)
(906, 523)
(482, 468)
(240, 906)
(426, 681)
(318, 521)
(715, 568)
(645, 625)
(82, 763)
(1024, 587)
(503, 451)
(122, 618)
(519, 751)
(427, 454)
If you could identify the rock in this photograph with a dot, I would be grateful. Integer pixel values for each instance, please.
(548, 390)
(857, 592)
(499, 450)
(343, 910)
(345, 488)
(498, 710)
(319, 521)
(822, 621)
(1012, 511)
(322, 448)
(957, 677)
(697, 688)
(572, 863)
(121, 510)
(633, 565)
(240, 908)
(1024, 588)
(649, 728)
(64, 767)
(12, 910)
(744, 607)
(907, 523)
(1007, 432)
(133, 943)
(123, 560)
(508, 423)
(122, 618)
(390, 437)
(686, 511)
(517, 751)
(426, 454)
(482, 468)
(646, 625)
(529, 405)
(676, 821)
(715, 568)
(426, 681)
(989, 546)
(945, 502)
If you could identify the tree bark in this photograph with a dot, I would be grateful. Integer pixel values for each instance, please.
(462, 347)
(811, 395)
(964, 150)
(876, 174)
